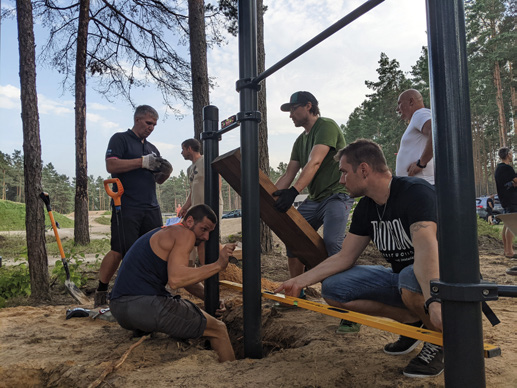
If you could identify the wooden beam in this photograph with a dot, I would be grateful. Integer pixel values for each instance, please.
(296, 233)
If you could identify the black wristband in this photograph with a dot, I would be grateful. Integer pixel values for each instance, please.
(419, 165)
(429, 301)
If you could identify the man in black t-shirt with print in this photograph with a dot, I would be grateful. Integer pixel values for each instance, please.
(399, 215)
(506, 183)
(138, 165)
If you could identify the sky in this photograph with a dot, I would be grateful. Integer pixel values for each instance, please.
(335, 71)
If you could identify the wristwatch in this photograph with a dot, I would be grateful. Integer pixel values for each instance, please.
(429, 301)
(419, 165)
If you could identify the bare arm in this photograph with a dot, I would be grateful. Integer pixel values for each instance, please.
(185, 206)
(426, 265)
(353, 246)
(427, 154)
(179, 272)
(316, 157)
(285, 180)
(119, 166)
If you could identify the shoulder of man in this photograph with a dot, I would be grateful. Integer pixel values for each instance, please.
(326, 122)
(410, 186)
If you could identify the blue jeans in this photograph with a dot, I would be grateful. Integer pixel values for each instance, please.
(370, 282)
(332, 213)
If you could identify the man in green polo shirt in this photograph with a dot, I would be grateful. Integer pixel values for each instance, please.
(313, 152)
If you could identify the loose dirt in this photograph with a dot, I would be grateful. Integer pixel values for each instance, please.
(39, 348)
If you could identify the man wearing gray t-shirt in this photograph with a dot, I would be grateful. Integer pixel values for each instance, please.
(415, 155)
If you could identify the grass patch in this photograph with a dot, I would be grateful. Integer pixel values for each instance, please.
(103, 220)
(15, 247)
(12, 217)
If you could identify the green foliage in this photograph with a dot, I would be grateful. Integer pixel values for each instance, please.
(14, 281)
(76, 275)
(12, 216)
(376, 118)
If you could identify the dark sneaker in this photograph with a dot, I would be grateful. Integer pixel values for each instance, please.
(512, 271)
(348, 327)
(428, 363)
(100, 299)
(404, 344)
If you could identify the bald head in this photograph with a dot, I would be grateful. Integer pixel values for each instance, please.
(408, 103)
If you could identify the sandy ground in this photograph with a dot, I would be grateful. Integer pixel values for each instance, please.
(39, 348)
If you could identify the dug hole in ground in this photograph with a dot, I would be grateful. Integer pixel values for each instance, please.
(39, 348)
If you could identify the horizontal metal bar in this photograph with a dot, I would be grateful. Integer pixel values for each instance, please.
(361, 10)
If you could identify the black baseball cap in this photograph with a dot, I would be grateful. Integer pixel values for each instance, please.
(299, 98)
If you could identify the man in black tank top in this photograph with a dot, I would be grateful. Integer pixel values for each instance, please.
(139, 300)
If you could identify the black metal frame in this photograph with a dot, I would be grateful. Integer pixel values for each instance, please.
(459, 286)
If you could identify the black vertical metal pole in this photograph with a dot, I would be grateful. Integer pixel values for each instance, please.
(210, 152)
(251, 270)
(457, 236)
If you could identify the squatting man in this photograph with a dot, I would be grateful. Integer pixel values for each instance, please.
(139, 300)
(399, 215)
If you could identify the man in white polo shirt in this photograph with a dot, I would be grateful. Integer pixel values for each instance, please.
(415, 155)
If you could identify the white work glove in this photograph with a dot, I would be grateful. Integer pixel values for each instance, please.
(151, 162)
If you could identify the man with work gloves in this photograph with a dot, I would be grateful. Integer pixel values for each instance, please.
(313, 152)
(138, 165)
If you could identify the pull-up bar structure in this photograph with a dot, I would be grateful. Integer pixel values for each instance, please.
(459, 285)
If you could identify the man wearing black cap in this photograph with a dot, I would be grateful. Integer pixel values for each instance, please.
(313, 152)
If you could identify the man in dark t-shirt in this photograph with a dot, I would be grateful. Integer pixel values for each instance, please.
(138, 165)
(506, 183)
(399, 215)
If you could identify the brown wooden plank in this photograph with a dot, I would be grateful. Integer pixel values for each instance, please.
(296, 233)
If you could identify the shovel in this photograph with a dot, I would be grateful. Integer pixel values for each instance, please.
(70, 286)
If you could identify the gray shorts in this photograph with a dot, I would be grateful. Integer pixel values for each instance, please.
(174, 316)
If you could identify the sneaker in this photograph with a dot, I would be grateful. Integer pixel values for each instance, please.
(404, 344)
(512, 271)
(100, 298)
(428, 363)
(348, 327)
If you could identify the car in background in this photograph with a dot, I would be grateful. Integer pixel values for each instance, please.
(481, 208)
(233, 214)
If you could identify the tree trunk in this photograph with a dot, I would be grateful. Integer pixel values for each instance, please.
(513, 94)
(500, 105)
(266, 237)
(198, 62)
(34, 216)
(81, 230)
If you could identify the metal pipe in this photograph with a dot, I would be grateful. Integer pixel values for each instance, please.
(318, 38)
(454, 175)
(251, 270)
(210, 152)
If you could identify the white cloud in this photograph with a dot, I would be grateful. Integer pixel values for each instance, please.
(9, 97)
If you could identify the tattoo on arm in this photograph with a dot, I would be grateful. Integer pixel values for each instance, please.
(416, 227)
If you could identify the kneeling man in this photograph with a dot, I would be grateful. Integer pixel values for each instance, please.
(139, 300)
(399, 215)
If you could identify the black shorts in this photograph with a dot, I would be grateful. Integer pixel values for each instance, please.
(132, 223)
(174, 316)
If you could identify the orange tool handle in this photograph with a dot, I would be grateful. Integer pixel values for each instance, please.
(115, 195)
(58, 240)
